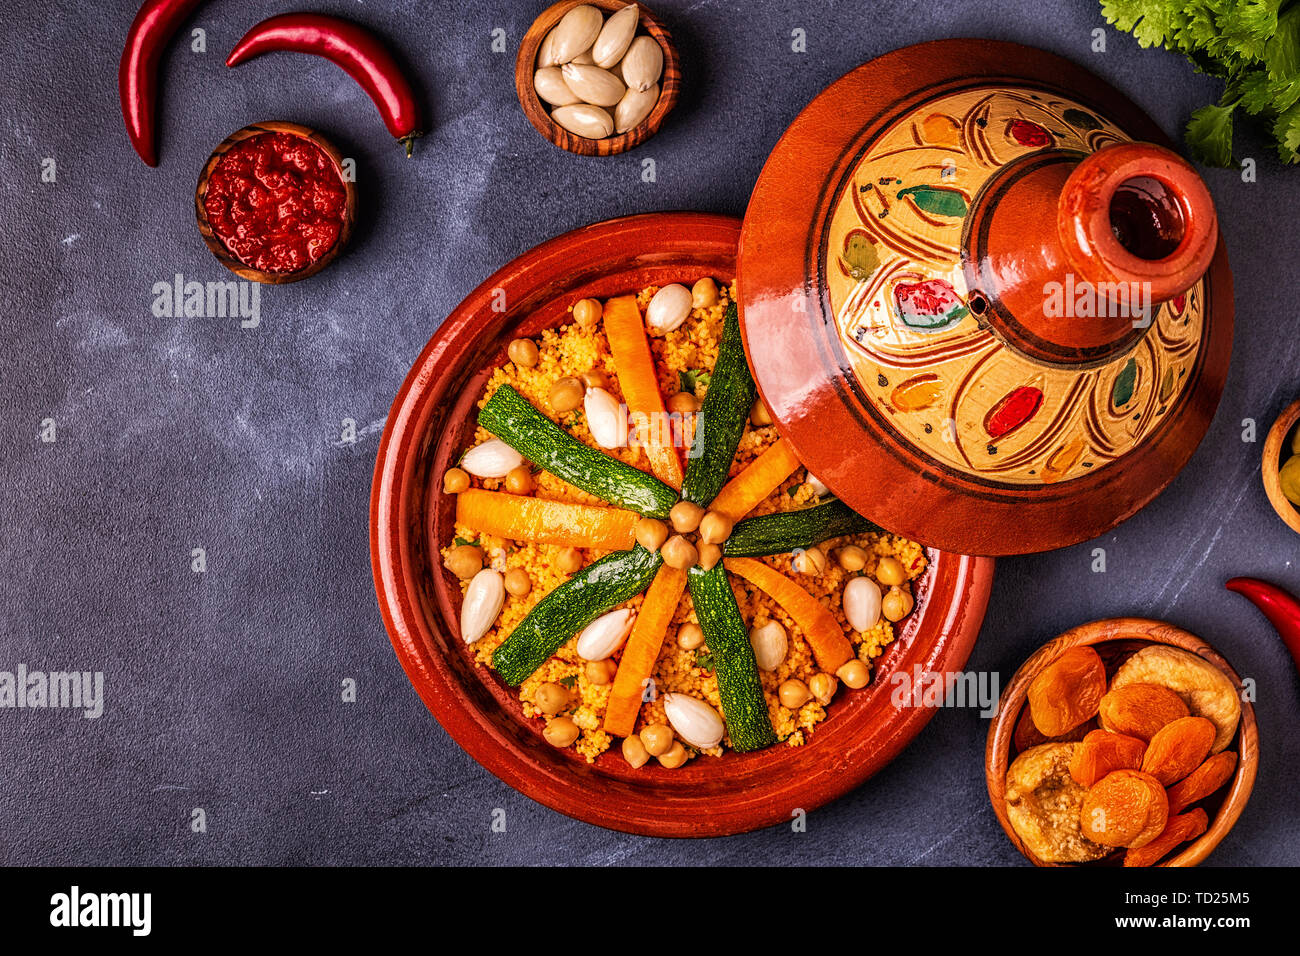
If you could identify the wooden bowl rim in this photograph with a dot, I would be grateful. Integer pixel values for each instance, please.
(218, 248)
(997, 753)
(1270, 466)
(536, 111)
(702, 799)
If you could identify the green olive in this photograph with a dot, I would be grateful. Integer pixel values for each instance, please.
(1289, 477)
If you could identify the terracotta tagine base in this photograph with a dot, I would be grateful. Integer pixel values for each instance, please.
(983, 298)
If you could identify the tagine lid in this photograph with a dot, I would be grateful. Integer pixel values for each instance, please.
(985, 301)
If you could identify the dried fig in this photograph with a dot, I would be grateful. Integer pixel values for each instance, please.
(1043, 804)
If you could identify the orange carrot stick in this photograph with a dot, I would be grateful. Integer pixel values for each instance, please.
(625, 332)
(642, 650)
(760, 478)
(521, 518)
(825, 636)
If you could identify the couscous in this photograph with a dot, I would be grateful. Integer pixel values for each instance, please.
(630, 379)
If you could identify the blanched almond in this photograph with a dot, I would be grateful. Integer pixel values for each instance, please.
(815, 483)
(606, 418)
(616, 36)
(593, 85)
(668, 309)
(603, 636)
(643, 63)
(550, 86)
(582, 119)
(770, 645)
(634, 107)
(483, 599)
(695, 721)
(862, 603)
(492, 459)
(576, 32)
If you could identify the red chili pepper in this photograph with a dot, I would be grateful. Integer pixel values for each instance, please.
(349, 45)
(1281, 609)
(137, 72)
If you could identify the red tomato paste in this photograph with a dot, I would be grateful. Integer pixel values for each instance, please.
(276, 201)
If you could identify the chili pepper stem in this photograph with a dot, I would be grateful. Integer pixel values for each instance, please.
(409, 142)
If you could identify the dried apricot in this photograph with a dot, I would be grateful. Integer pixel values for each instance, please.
(1202, 781)
(1027, 735)
(1124, 808)
(1178, 748)
(1180, 829)
(1139, 710)
(1101, 753)
(1067, 691)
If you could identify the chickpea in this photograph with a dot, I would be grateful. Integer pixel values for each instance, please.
(455, 480)
(551, 698)
(675, 757)
(560, 732)
(634, 752)
(679, 553)
(704, 294)
(897, 604)
(587, 312)
(810, 561)
(518, 582)
(793, 693)
(523, 352)
(710, 555)
(566, 394)
(715, 527)
(760, 415)
(657, 738)
(685, 516)
(595, 378)
(851, 558)
(464, 561)
(651, 533)
(683, 403)
(601, 672)
(690, 636)
(822, 687)
(569, 560)
(855, 675)
(519, 480)
(889, 571)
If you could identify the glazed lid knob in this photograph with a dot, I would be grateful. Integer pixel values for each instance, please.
(1137, 213)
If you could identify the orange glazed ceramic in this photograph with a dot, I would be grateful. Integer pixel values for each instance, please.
(983, 298)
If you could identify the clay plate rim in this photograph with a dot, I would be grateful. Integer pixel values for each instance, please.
(997, 753)
(425, 430)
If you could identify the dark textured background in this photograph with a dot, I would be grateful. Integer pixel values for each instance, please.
(223, 687)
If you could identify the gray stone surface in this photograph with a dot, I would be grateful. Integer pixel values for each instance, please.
(223, 687)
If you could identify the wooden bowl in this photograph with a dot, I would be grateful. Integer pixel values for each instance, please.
(1115, 640)
(526, 65)
(219, 249)
(432, 421)
(1272, 465)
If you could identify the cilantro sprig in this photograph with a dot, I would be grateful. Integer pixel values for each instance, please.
(1252, 45)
